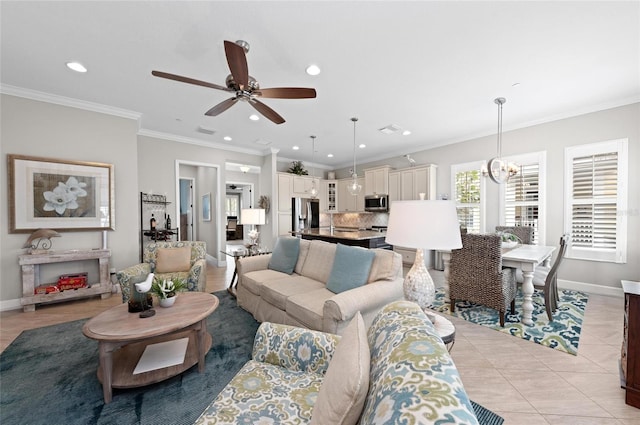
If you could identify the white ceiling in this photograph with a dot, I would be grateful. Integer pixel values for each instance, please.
(433, 68)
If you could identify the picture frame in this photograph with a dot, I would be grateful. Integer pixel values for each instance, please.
(206, 207)
(59, 194)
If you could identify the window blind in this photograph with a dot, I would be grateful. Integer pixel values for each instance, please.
(467, 196)
(521, 198)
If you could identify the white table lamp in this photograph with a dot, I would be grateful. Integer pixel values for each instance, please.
(253, 216)
(423, 225)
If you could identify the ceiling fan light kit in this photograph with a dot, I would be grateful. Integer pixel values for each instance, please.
(354, 187)
(245, 87)
(499, 170)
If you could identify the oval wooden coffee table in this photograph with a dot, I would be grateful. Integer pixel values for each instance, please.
(122, 338)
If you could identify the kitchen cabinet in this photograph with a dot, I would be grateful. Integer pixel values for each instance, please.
(328, 195)
(302, 186)
(416, 180)
(376, 180)
(284, 224)
(348, 202)
(285, 190)
(394, 186)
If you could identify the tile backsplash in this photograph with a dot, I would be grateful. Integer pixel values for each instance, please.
(362, 220)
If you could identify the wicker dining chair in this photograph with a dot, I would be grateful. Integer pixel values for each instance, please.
(524, 233)
(476, 275)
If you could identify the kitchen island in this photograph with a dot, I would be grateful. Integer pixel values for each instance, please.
(353, 237)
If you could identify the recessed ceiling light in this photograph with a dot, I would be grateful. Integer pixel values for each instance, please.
(313, 70)
(330, 155)
(76, 66)
(254, 117)
(295, 148)
(406, 133)
(227, 138)
(362, 146)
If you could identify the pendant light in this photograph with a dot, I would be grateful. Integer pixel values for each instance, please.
(314, 190)
(354, 187)
(499, 170)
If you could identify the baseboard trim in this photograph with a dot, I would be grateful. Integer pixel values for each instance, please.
(215, 262)
(10, 305)
(590, 288)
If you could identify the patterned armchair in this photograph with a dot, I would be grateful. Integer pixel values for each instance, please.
(524, 233)
(196, 277)
(476, 275)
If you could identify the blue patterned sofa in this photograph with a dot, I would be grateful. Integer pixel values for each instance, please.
(412, 379)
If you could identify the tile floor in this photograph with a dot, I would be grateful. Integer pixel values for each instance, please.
(522, 381)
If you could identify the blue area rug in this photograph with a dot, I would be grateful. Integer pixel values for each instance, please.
(48, 376)
(563, 333)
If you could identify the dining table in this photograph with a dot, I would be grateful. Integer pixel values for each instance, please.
(523, 257)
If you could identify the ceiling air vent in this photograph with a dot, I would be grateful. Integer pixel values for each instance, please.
(390, 129)
(263, 142)
(205, 130)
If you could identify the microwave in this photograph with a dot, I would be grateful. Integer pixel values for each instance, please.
(376, 203)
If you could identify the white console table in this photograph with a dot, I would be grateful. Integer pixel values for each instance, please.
(30, 264)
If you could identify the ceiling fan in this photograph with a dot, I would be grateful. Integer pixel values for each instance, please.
(245, 86)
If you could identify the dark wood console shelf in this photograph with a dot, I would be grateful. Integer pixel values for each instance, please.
(630, 353)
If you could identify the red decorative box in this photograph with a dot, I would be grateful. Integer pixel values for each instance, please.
(72, 281)
(46, 289)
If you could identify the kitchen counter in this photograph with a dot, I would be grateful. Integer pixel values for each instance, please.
(364, 238)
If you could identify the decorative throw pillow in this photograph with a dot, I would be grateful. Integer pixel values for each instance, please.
(350, 268)
(346, 383)
(285, 255)
(170, 260)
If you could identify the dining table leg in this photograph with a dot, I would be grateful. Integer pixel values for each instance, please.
(527, 292)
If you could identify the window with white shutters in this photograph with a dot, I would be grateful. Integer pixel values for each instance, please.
(467, 189)
(523, 196)
(596, 181)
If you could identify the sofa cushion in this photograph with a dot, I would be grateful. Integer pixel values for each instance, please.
(276, 292)
(319, 260)
(253, 281)
(350, 269)
(385, 265)
(264, 393)
(344, 389)
(285, 255)
(307, 307)
(302, 255)
(169, 260)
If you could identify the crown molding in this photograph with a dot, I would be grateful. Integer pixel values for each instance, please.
(198, 142)
(67, 101)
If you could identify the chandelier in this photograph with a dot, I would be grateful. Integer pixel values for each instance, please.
(314, 190)
(499, 170)
(354, 187)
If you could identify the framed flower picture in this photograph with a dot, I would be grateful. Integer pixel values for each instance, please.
(59, 194)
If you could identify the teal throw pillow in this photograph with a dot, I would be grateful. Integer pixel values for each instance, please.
(285, 255)
(351, 268)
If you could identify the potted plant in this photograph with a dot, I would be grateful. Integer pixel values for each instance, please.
(297, 168)
(509, 240)
(166, 290)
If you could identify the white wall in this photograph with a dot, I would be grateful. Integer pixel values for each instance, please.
(42, 129)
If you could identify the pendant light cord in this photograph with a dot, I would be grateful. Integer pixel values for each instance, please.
(354, 119)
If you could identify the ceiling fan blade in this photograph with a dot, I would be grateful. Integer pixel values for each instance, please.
(266, 111)
(237, 61)
(221, 107)
(287, 93)
(187, 80)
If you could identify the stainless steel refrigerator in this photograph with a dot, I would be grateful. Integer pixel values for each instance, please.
(305, 213)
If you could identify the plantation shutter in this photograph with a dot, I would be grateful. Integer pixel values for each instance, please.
(468, 197)
(594, 210)
(521, 198)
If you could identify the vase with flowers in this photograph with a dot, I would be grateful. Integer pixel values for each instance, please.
(167, 289)
(254, 235)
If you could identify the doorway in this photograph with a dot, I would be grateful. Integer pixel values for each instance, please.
(186, 209)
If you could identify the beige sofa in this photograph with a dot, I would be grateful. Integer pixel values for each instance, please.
(302, 299)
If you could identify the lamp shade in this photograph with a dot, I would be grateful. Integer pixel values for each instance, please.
(252, 216)
(424, 224)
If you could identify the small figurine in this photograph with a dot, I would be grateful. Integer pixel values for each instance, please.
(41, 239)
